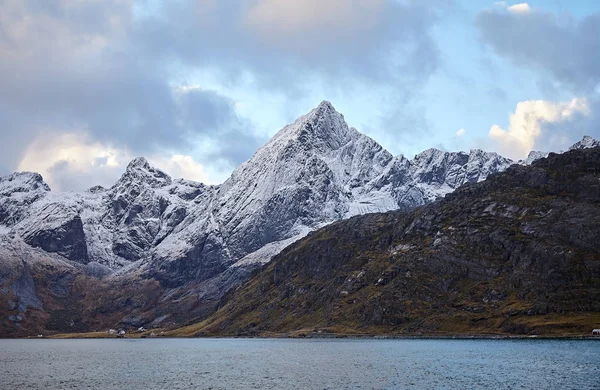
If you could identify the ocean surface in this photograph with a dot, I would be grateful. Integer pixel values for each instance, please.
(299, 364)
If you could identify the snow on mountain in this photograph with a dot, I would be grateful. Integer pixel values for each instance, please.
(533, 156)
(312, 172)
(17, 192)
(586, 143)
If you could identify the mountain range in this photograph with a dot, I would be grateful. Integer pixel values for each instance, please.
(153, 251)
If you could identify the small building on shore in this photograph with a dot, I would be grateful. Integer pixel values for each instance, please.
(596, 332)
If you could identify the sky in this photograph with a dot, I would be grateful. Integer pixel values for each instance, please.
(197, 86)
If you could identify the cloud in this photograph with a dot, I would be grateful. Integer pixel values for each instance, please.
(564, 48)
(75, 66)
(283, 44)
(114, 72)
(279, 21)
(73, 161)
(460, 132)
(227, 137)
(180, 166)
(528, 124)
(522, 8)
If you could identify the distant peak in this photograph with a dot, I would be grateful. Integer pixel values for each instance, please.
(22, 182)
(322, 130)
(585, 143)
(325, 104)
(138, 162)
(96, 189)
(324, 109)
(139, 169)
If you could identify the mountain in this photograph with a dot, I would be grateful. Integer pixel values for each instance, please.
(177, 246)
(586, 143)
(516, 254)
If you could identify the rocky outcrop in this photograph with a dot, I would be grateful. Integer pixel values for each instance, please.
(17, 192)
(65, 237)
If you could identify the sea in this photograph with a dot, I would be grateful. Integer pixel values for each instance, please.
(164, 363)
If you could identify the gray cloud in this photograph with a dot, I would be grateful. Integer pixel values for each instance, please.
(395, 45)
(77, 69)
(207, 110)
(565, 48)
(100, 69)
(67, 177)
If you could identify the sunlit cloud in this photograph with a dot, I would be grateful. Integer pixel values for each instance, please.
(73, 161)
(527, 122)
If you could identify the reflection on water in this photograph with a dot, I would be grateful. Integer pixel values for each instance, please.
(299, 364)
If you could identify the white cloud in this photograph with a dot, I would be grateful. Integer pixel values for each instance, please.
(180, 166)
(74, 162)
(461, 132)
(522, 8)
(187, 88)
(525, 125)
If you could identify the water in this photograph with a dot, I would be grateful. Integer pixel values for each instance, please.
(299, 364)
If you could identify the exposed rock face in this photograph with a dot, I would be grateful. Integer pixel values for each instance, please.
(65, 237)
(17, 192)
(518, 253)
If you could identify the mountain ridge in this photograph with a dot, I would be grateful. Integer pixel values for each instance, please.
(199, 241)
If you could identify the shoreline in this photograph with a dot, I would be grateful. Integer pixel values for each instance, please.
(318, 336)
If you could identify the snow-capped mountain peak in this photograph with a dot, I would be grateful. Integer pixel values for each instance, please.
(139, 170)
(18, 191)
(321, 130)
(22, 182)
(585, 143)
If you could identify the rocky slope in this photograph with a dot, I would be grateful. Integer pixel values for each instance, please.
(187, 243)
(516, 254)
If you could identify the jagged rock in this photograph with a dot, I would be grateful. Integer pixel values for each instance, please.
(57, 232)
(17, 192)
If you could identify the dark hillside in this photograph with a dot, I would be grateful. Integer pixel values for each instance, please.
(516, 254)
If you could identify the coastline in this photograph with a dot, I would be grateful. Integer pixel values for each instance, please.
(316, 336)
